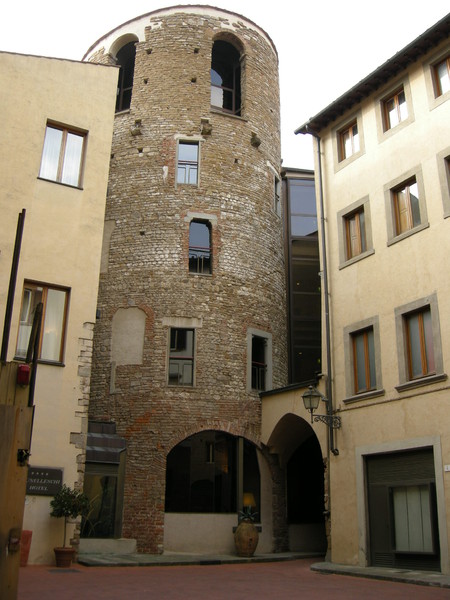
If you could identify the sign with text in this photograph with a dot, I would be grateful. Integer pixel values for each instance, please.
(43, 481)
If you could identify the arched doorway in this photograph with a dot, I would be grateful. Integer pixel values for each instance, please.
(208, 475)
(299, 451)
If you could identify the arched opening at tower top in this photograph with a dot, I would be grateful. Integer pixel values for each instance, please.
(125, 58)
(226, 77)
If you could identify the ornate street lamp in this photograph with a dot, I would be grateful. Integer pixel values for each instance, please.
(311, 399)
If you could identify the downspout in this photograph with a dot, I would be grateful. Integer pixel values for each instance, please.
(329, 385)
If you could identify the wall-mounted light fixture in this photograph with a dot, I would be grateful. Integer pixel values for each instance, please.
(311, 399)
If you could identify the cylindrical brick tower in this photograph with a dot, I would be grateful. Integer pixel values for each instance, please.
(192, 322)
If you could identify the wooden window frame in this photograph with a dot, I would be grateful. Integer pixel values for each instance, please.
(31, 285)
(180, 345)
(348, 130)
(394, 97)
(360, 230)
(424, 343)
(436, 80)
(367, 355)
(405, 188)
(66, 131)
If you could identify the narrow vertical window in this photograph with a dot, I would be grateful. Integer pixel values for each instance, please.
(187, 165)
(200, 251)
(355, 231)
(419, 343)
(348, 141)
(126, 59)
(277, 196)
(395, 109)
(226, 78)
(406, 207)
(62, 156)
(53, 324)
(259, 363)
(364, 361)
(441, 72)
(181, 356)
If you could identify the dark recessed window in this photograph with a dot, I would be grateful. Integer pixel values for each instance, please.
(125, 58)
(200, 254)
(226, 78)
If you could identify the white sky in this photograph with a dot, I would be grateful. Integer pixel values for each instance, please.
(325, 47)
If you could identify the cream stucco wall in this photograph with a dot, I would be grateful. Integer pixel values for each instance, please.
(395, 274)
(61, 246)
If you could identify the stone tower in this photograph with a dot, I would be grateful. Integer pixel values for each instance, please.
(191, 312)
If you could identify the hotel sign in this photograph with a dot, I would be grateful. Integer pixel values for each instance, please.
(43, 481)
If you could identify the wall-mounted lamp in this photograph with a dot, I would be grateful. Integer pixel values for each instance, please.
(311, 399)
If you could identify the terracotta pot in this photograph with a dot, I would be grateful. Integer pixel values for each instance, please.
(246, 538)
(64, 556)
(25, 543)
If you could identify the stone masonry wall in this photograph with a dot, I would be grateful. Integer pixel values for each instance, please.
(148, 251)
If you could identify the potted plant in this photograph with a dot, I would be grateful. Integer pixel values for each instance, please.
(67, 503)
(246, 535)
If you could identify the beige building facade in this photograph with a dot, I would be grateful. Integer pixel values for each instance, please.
(55, 156)
(382, 175)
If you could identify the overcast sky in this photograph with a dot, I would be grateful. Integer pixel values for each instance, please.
(324, 46)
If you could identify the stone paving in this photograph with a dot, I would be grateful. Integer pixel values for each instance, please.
(294, 578)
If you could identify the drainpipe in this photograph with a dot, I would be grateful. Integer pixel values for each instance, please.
(329, 385)
(12, 286)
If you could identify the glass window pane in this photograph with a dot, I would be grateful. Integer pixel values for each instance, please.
(443, 77)
(53, 325)
(303, 226)
(188, 152)
(414, 200)
(415, 345)
(360, 363)
(428, 334)
(302, 198)
(51, 152)
(72, 159)
(371, 350)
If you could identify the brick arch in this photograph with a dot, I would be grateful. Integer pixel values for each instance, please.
(230, 38)
(120, 43)
(233, 428)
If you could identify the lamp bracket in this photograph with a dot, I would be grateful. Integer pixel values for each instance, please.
(332, 421)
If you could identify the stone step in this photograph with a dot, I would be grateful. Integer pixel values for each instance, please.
(107, 546)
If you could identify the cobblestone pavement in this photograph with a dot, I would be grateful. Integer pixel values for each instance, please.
(280, 580)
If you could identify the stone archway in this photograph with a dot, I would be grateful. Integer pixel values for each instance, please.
(300, 455)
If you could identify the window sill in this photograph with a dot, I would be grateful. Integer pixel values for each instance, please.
(343, 162)
(357, 258)
(364, 396)
(405, 234)
(52, 363)
(217, 111)
(126, 111)
(200, 274)
(68, 185)
(415, 383)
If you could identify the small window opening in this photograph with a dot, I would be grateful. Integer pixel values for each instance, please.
(200, 254)
(226, 78)
(259, 363)
(187, 166)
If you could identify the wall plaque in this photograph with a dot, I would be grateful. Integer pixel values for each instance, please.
(43, 481)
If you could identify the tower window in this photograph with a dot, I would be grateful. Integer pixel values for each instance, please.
(226, 78)
(125, 58)
(200, 251)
